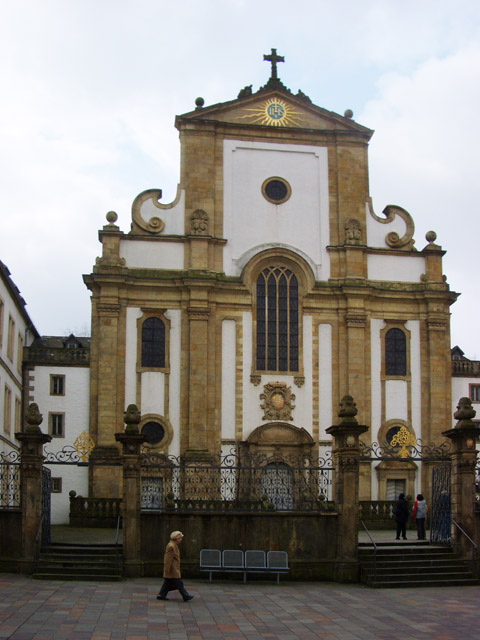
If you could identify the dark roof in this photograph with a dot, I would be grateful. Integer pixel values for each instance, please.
(61, 342)
(16, 297)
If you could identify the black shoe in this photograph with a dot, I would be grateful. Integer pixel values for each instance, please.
(404, 538)
(187, 598)
(397, 538)
(161, 598)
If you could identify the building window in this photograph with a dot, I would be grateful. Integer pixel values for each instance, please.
(395, 488)
(19, 352)
(57, 385)
(277, 346)
(10, 337)
(57, 425)
(154, 432)
(7, 410)
(55, 485)
(2, 309)
(395, 353)
(18, 415)
(475, 392)
(153, 343)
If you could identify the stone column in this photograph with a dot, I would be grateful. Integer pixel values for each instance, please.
(32, 440)
(346, 453)
(464, 459)
(131, 441)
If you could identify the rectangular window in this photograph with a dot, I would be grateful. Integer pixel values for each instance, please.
(57, 385)
(18, 415)
(57, 425)
(7, 410)
(2, 309)
(475, 392)
(395, 488)
(56, 485)
(19, 352)
(10, 337)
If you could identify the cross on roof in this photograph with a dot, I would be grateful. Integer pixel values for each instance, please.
(273, 58)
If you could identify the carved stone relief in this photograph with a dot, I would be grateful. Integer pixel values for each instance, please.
(278, 401)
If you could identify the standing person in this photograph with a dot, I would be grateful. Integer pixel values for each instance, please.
(401, 516)
(419, 515)
(171, 569)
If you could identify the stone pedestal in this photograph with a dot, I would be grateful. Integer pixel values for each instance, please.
(32, 441)
(464, 459)
(346, 454)
(131, 442)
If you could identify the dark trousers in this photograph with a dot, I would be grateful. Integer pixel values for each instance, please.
(169, 584)
(402, 529)
(420, 528)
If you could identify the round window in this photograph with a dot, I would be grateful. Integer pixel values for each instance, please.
(276, 190)
(154, 432)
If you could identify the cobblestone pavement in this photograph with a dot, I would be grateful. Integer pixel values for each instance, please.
(45, 610)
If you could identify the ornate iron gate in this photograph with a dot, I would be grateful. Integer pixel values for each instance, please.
(440, 506)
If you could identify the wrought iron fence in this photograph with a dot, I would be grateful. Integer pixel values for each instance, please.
(413, 450)
(236, 482)
(10, 480)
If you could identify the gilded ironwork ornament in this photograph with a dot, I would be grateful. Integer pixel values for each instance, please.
(83, 445)
(403, 439)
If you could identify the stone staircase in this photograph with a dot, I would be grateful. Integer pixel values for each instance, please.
(63, 561)
(413, 565)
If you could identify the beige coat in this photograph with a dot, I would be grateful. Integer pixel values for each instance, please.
(171, 561)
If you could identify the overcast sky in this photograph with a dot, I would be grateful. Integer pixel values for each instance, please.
(91, 89)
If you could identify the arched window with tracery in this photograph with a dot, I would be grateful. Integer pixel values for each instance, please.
(277, 339)
(395, 353)
(153, 343)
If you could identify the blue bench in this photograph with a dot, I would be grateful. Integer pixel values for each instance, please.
(236, 561)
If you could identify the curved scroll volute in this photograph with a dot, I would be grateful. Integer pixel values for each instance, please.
(392, 239)
(155, 225)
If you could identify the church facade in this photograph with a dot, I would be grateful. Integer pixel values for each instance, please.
(241, 313)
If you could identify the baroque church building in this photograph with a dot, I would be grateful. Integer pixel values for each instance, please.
(240, 314)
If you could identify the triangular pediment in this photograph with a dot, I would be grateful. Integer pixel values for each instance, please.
(276, 109)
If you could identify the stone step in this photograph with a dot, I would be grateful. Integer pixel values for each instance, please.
(94, 577)
(436, 582)
(80, 562)
(414, 567)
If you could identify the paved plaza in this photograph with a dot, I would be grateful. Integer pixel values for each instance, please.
(45, 610)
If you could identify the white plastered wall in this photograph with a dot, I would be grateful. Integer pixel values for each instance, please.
(252, 413)
(152, 254)
(74, 404)
(395, 268)
(396, 391)
(324, 379)
(228, 379)
(252, 224)
(153, 382)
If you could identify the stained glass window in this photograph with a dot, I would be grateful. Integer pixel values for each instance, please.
(153, 343)
(395, 353)
(277, 320)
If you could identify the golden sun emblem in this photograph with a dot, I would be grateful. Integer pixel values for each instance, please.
(274, 113)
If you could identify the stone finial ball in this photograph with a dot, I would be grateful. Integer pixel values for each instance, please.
(430, 236)
(199, 102)
(348, 113)
(111, 217)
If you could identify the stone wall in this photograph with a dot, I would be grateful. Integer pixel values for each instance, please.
(11, 537)
(309, 539)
